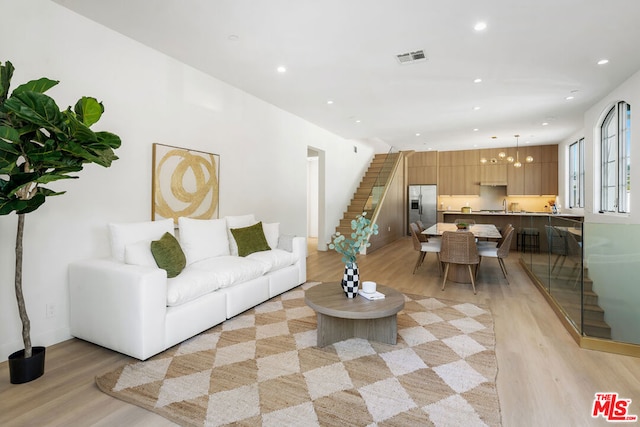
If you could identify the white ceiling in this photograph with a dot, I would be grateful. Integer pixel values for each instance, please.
(532, 55)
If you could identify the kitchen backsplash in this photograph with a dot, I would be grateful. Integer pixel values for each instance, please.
(491, 198)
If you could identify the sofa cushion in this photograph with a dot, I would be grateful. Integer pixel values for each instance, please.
(168, 255)
(203, 238)
(237, 222)
(274, 259)
(250, 239)
(209, 275)
(139, 253)
(272, 233)
(123, 234)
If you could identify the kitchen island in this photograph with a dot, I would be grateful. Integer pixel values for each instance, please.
(520, 220)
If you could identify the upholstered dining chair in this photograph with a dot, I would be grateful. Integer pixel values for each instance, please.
(459, 247)
(557, 242)
(423, 247)
(501, 251)
(496, 243)
(421, 236)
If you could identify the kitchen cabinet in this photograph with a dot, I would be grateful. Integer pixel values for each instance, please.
(532, 179)
(422, 168)
(493, 174)
(459, 173)
(549, 181)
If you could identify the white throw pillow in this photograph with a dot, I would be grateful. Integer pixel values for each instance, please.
(139, 253)
(240, 221)
(272, 233)
(203, 238)
(123, 234)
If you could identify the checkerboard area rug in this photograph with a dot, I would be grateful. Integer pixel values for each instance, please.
(262, 368)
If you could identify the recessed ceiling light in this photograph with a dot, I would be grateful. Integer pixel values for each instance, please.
(329, 102)
(476, 108)
(545, 123)
(603, 61)
(570, 97)
(476, 130)
(480, 26)
(417, 133)
(358, 121)
(477, 81)
(233, 38)
(282, 69)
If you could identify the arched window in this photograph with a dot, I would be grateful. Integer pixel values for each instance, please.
(615, 154)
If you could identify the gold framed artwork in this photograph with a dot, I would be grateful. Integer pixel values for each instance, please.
(184, 183)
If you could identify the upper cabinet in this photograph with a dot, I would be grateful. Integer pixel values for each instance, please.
(459, 173)
(422, 168)
(537, 178)
(493, 169)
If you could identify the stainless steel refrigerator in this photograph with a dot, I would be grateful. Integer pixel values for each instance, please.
(423, 201)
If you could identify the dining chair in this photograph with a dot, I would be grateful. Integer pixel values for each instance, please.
(459, 247)
(421, 237)
(496, 243)
(557, 245)
(430, 245)
(574, 253)
(501, 251)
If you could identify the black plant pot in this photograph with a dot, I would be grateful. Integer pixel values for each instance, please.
(22, 370)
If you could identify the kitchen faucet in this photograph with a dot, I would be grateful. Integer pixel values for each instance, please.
(504, 205)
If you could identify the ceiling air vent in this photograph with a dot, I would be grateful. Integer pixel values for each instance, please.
(411, 57)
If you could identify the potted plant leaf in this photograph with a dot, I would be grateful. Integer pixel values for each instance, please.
(40, 144)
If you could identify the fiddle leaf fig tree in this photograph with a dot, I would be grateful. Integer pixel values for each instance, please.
(40, 144)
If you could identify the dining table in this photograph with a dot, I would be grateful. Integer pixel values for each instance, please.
(460, 273)
(481, 231)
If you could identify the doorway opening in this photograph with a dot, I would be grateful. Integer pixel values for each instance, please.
(316, 233)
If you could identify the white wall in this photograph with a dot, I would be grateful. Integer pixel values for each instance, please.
(148, 98)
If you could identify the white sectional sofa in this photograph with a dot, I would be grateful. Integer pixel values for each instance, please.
(128, 304)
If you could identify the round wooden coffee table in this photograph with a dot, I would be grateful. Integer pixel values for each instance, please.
(341, 318)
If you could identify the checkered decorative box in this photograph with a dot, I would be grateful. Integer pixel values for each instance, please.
(351, 280)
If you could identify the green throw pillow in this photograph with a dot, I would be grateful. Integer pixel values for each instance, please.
(168, 255)
(250, 239)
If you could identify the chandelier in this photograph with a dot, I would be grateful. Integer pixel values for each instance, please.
(502, 156)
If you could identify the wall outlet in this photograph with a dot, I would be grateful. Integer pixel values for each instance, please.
(389, 228)
(50, 310)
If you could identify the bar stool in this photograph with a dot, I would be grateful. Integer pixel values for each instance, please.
(528, 238)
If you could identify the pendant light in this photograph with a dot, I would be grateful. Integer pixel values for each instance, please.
(517, 164)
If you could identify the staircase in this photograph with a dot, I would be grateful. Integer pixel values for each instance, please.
(567, 292)
(373, 181)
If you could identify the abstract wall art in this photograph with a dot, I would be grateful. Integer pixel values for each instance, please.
(185, 183)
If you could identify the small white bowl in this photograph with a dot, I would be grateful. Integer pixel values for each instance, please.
(369, 287)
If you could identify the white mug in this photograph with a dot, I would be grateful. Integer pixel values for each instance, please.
(369, 287)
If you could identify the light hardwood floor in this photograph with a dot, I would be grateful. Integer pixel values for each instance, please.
(544, 378)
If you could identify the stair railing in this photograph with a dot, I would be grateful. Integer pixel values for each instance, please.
(372, 201)
(381, 185)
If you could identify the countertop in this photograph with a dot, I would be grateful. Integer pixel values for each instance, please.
(494, 212)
